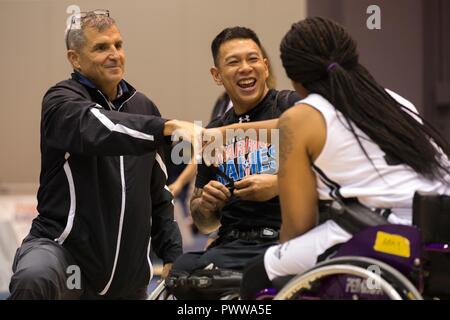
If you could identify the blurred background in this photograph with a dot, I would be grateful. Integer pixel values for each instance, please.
(167, 45)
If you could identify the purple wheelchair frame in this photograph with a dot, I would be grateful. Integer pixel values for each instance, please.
(362, 244)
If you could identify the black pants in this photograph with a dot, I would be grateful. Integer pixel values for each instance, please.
(254, 279)
(41, 272)
(233, 255)
(227, 255)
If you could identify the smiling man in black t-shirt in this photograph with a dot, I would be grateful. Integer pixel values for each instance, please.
(249, 214)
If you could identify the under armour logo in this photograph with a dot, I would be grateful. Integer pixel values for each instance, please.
(246, 118)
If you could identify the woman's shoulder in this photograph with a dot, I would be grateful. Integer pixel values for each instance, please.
(317, 101)
(302, 112)
(305, 125)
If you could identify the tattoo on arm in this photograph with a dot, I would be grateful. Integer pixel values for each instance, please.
(195, 196)
(197, 193)
(202, 219)
(286, 137)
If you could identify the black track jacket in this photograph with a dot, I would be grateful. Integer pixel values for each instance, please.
(102, 191)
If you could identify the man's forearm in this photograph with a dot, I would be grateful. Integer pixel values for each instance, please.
(206, 220)
(260, 127)
(169, 127)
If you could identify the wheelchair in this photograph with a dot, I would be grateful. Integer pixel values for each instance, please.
(384, 261)
(209, 283)
(381, 261)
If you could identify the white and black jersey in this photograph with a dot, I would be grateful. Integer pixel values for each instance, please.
(343, 165)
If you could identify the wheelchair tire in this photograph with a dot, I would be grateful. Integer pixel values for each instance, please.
(403, 285)
(160, 293)
(392, 283)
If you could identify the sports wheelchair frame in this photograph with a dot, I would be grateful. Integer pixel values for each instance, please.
(384, 262)
(208, 283)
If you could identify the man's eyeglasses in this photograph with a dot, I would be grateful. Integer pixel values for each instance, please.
(76, 20)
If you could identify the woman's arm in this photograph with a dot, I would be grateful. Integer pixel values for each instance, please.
(302, 136)
(266, 124)
(257, 126)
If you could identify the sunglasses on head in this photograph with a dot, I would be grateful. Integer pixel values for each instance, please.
(76, 20)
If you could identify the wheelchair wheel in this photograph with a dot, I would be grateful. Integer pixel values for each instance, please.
(160, 293)
(231, 296)
(403, 285)
(348, 278)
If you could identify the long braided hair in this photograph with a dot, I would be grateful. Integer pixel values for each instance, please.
(320, 54)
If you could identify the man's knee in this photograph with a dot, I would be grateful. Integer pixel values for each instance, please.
(40, 273)
(34, 282)
(187, 262)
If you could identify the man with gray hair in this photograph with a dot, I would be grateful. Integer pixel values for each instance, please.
(102, 199)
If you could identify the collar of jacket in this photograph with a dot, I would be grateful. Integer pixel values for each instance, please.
(127, 89)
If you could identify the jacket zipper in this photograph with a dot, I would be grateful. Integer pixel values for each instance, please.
(120, 107)
(122, 209)
(119, 236)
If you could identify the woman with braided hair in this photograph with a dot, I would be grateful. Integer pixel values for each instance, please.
(348, 138)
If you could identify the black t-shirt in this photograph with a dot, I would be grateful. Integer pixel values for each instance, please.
(247, 157)
(220, 107)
